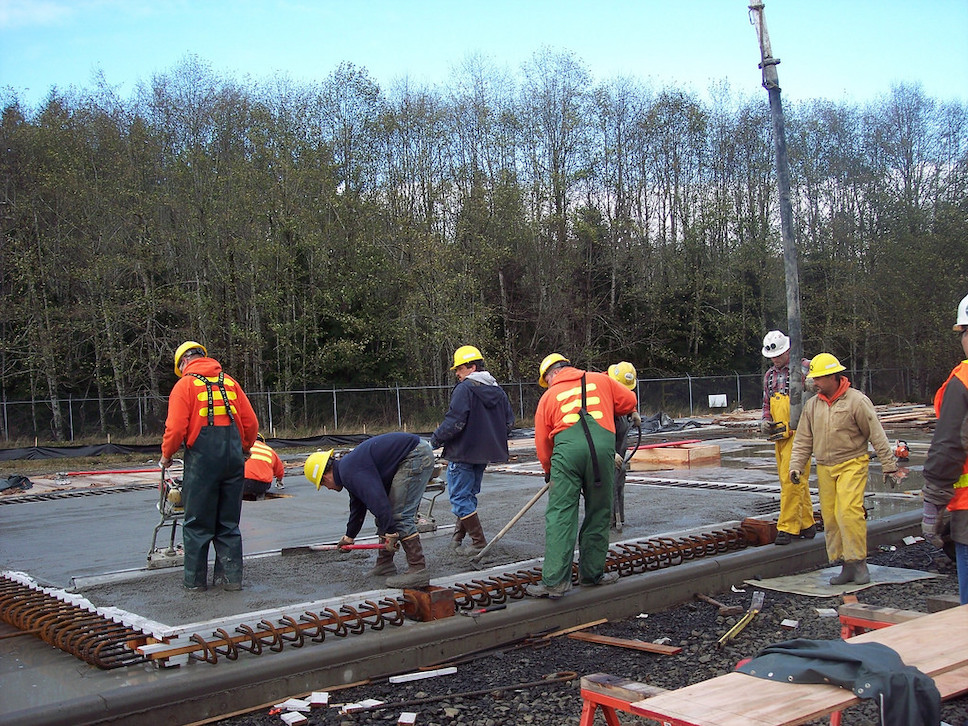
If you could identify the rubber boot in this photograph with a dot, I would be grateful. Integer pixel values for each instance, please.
(472, 525)
(846, 575)
(459, 532)
(416, 574)
(861, 574)
(384, 563)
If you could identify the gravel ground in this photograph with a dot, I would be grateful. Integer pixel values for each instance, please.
(488, 690)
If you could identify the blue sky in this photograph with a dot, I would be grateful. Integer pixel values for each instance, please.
(843, 50)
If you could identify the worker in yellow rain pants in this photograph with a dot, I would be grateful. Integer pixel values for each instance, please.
(836, 426)
(796, 509)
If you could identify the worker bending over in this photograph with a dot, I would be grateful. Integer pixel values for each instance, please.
(261, 468)
(385, 475)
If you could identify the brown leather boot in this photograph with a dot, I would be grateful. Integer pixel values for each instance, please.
(384, 563)
(472, 525)
(459, 532)
(416, 574)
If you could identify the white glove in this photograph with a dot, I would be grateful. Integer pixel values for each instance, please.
(619, 461)
(637, 419)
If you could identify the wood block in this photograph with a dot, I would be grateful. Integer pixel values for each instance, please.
(678, 457)
(937, 603)
(877, 614)
(618, 687)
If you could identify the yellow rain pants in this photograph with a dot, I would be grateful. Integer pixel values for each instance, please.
(796, 509)
(842, 507)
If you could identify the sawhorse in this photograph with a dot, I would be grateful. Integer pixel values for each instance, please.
(611, 694)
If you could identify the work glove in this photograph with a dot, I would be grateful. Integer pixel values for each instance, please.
(548, 478)
(931, 524)
(619, 462)
(892, 479)
(766, 427)
(779, 432)
(343, 541)
(637, 419)
(794, 476)
(391, 542)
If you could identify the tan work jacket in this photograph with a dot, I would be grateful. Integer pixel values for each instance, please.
(838, 432)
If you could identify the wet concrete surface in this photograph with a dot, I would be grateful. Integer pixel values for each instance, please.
(97, 546)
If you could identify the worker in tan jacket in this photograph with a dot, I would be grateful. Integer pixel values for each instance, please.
(836, 426)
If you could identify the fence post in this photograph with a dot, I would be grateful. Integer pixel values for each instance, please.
(6, 431)
(689, 378)
(335, 413)
(141, 425)
(520, 400)
(399, 414)
(272, 431)
(70, 414)
(739, 393)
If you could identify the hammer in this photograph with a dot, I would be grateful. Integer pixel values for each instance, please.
(724, 610)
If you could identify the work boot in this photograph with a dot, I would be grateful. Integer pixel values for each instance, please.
(472, 525)
(861, 574)
(384, 563)
(608, 578)
(783, 538)
(539, 589)
(416, 574)
(846, 575)
(459, 532)
(808, 533)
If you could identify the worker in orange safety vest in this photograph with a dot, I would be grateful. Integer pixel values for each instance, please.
(261, 468)
(946, 467)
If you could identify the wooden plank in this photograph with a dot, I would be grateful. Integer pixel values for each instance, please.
(617, 687)
(625, 643)
(876, 614)
(935, 644)
(688, 455)
(566, 631)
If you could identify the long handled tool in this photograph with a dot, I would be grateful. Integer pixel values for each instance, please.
(479, 556)
(755, 606)
(302, 549)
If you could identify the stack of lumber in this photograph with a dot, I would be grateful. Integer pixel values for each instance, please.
(893, 416)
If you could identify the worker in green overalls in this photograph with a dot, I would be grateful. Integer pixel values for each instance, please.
(579, 463)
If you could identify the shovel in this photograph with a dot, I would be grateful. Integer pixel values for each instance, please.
(476, 559)
(302, 549)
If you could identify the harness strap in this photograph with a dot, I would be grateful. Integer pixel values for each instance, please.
(582, 413)
(211, 402)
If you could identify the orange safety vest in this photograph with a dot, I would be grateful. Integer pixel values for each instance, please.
(960, 498)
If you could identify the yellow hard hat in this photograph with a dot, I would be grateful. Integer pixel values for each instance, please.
(466, 354)
(184, 348)
(824, 364)
(549, 361)
(624, 373)
(316, 466)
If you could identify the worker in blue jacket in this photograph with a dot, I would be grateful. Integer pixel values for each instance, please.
(385, 475)
(473, 434)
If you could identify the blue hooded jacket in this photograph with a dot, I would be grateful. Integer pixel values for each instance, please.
(476, 427)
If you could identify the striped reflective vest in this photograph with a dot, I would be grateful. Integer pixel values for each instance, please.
(960, 498)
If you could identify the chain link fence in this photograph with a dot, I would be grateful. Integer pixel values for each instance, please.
(373, 410)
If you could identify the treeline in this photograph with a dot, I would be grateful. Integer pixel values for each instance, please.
(339, 233)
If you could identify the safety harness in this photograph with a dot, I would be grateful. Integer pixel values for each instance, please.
(211, 401)
(582, 413)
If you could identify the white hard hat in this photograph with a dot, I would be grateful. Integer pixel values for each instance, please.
(775, 343)
(962, 321)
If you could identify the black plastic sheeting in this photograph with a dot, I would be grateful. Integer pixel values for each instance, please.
(63, 452)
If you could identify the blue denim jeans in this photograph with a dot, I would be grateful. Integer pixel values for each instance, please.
(408, 485)
(463, 486)
(961, 560)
